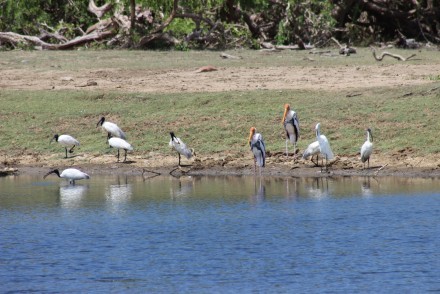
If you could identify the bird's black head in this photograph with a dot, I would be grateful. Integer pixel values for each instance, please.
(371, 134)
(55, 137)
(101, 121)
(55, 171)
(172, 135)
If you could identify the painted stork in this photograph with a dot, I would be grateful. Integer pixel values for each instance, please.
(291, 126)
(258, 148)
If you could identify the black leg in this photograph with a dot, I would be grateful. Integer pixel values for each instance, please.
(71, 149)
(179, 157)
(66, 152)
(118, 155)
(125, 158)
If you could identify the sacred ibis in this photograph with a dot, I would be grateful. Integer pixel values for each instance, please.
(112, 129)
(120, 144)
(72, 174)
(66, 141)
(180, 147)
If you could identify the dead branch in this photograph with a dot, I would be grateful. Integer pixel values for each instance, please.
(99, 11)
(385, 53)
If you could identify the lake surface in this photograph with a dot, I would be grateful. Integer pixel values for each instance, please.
(220, 235)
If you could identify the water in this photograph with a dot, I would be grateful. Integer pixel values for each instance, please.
(220, 235)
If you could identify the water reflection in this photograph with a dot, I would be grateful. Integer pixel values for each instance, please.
(366, 187)
(259, 194)
(318, 187)
(182, 187)
(118, 195)
(71, 195)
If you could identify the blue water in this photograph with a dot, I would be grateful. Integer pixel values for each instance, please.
(220, 235)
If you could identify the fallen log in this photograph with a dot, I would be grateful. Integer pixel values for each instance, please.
(385, 53)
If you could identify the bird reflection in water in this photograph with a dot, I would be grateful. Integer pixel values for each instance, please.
(71, 196)
(119, 194)
(259, 191)
(366, 187)
(319, 188)
(183, 188)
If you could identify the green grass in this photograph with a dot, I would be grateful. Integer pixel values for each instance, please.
(212, 122)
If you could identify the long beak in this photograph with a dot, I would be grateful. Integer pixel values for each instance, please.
(51, 140)
(250, 137)
(371, 135)
(284, 116)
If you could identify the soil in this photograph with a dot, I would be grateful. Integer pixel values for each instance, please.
(400, 163)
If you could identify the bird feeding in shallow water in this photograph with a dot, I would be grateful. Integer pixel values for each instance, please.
(66, 141)
(258, 148)
(180, 147)
(112, 129)
(291, 126)
(72, 174)
(312, 150)
(120, 144)
(324, 146)
(367, 148)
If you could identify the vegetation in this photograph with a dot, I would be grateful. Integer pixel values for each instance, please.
(30, 118)
(217, 24)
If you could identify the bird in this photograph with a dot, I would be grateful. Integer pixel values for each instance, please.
(120, 144)
(291, 126)
(258, 148)
(312, 150)
(72, 174)
(180, 147)
(66, 141)
(324, 146)
(112, 129)
(367, 148)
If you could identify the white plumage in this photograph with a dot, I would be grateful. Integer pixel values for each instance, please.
(258, 148)
(291, 126)
(324, 146)
(180, 147)
(367, 148)
(120, 144)
(66, 141)
(112, 129)
(312, 150)
(72, 174)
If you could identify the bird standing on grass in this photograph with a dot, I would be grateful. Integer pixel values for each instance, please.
(180, 147)
(258, 148)
(291, 126)
(367, 148)
(112, 129)
(120, 144)
(72, 174)
(312, 150)
(66, 141)
(324, 146)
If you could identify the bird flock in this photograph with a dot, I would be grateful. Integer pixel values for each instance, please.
(116, 138)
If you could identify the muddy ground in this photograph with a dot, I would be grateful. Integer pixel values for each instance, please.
(399, 163)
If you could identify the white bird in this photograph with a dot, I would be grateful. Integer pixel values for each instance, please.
(112, 129)
(324, 146)
(367, 148)
(258, 148)
(180, 147)
(291, 126)
(312, 150)
(66, 141)
(72, 174)
(120, 144)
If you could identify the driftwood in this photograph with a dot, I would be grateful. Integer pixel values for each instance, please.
(228, 56)
(396, 56)
(344, 49)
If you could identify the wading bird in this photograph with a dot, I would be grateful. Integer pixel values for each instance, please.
(312, 150)
(258, 148)
(367, 148)
(66, 141)
(72, 174)
(112, 129)
(324, 146)
(120, 144)
(180, 147)
(291, 126)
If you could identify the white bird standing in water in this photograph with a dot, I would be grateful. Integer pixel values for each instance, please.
(112, 129)
(258, 148)
(66, 141)
(120, 144)
(180, 147)
(72, 174)
(312, 150)
(367, 148)
(291, 126)
(324, 146)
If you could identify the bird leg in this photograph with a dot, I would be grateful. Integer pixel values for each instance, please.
(66, 152)
(125, 157)
(118, 155)
(179, 157)
(71, 149)
(287, 151)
